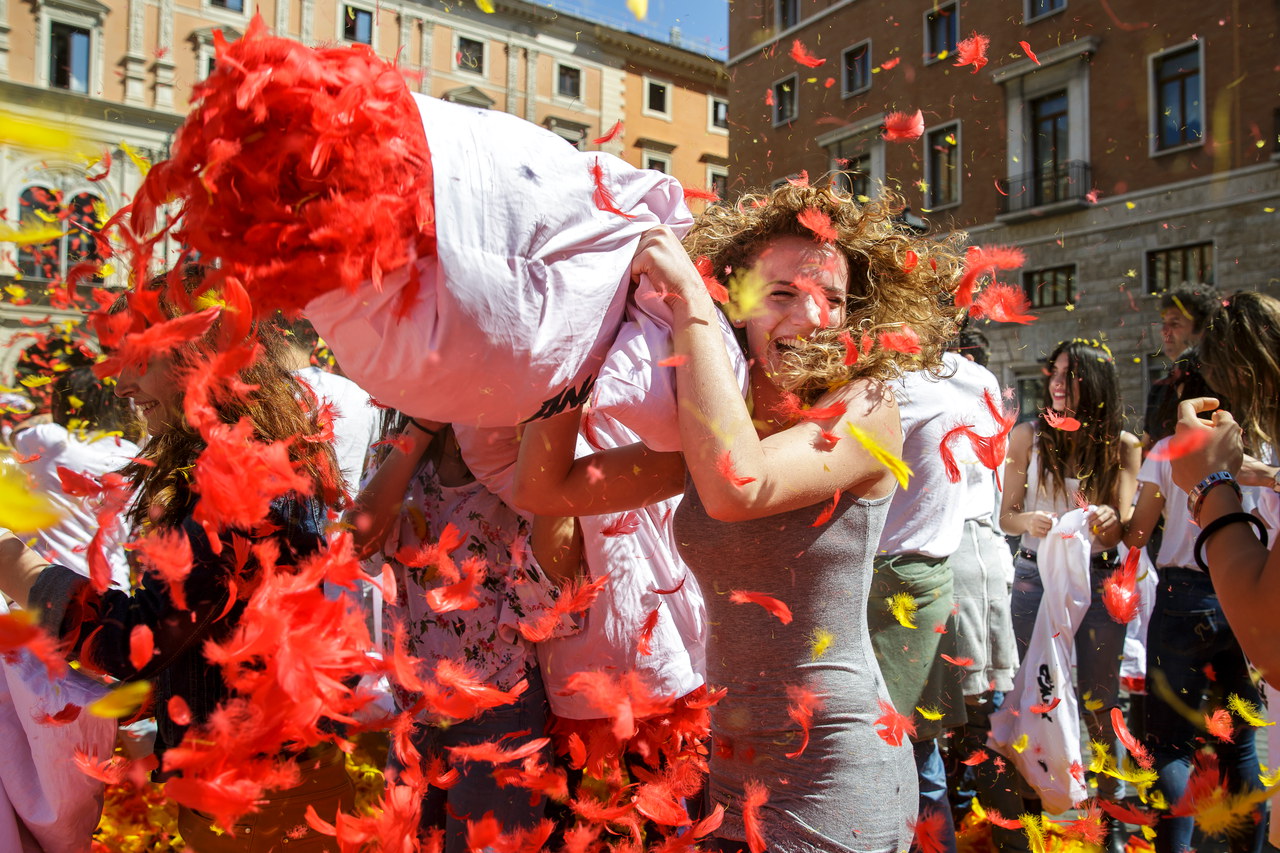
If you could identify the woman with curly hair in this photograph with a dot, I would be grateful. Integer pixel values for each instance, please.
(1078, 456)
(201, 597)
(785, 494)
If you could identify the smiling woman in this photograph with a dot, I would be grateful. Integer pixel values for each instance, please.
(785, 495)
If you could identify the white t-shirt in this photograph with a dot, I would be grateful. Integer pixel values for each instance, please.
(1177, 547)
(927, 517)
(44, 448)
(355, 421)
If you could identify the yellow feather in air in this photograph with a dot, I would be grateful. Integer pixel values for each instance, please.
(1246, 711)
(639, 8)
(929, 713)
(33, 235)
(746, 294)
(1020, 744)
(820, 642)
(1035, 833)
(895, 465)
(485, 6)
(38, 137)
(122, 701)
(139, 161)
(21, 509)
(902, 606)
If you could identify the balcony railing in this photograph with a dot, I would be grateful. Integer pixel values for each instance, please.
(1068, 181)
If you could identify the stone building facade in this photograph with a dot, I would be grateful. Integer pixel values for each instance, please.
(1129, 146)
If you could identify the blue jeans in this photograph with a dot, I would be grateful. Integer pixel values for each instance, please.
(1187, 634)
(477, 793)
(1099, 650)
(933, 792)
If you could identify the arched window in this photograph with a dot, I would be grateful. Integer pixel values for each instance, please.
(79, 217)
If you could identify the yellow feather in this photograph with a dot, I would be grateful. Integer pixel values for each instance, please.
(639, 8)
(38, 137)
(820, 642)
(895, 465)
(1246, 711)
(902, 606)
(1035, 834)
(1020, 744)
(122, 701)
(32, 235)
(929, 713)
(20, 509)
(746, 295)
(139, 161)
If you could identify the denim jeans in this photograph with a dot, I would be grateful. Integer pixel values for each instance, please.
(1099, 649)
(1188, 634)
(933, 793)
(476, 793)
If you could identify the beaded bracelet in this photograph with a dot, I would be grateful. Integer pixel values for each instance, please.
(1221, 522)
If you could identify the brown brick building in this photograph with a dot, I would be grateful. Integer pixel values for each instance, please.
(1138, 149)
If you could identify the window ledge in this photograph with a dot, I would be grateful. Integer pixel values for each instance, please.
(852, 92)
(1177, 149)
(1056, 208)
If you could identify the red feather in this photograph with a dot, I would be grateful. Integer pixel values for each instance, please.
(904, 340)
(645, 646)
(611, 135)
(69, 714)
(1136, 749)
(801, 54)
(1062, 422)
(717, 290)
(494, 753)
(904, 127)
(980, 260)
(850, 349)
(1003, 303)
(179, 711)
(1179, 445)
(142, 646)
(895, 726)
(1026, 48)
(1220, 725)
(827, 512)
(754, 797)
(819, 223)
(962, 662)
(927, 829)
(804, 703)
(1127, 813)
(691, 193)
(768, 602)
(168, 554)
(977, 757)
(724, 465)
(810, 288)
(1046, 707)
(1120, 591)
(948, 456)
(603, 196)
(973, 51)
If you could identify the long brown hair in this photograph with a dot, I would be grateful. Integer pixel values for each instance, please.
(897, 278)
(1091, 453)
(1240, 355)
(276, 404)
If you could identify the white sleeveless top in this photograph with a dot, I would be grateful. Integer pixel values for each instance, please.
(1043, 500)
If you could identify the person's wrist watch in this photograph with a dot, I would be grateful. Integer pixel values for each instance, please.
(1195, 497)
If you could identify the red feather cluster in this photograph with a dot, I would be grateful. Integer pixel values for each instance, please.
(801, 54)
(980, 260)
(347, 200)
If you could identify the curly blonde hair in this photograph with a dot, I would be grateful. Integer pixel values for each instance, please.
(887, 291)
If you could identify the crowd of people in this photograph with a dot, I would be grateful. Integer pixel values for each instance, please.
(763, 603)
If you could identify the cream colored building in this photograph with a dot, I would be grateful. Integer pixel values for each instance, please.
(121, 73)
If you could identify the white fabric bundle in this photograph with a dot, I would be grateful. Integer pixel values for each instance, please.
(1052, 738)
(513, 316)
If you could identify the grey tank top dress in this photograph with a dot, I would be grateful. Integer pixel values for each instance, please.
(849, 790)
